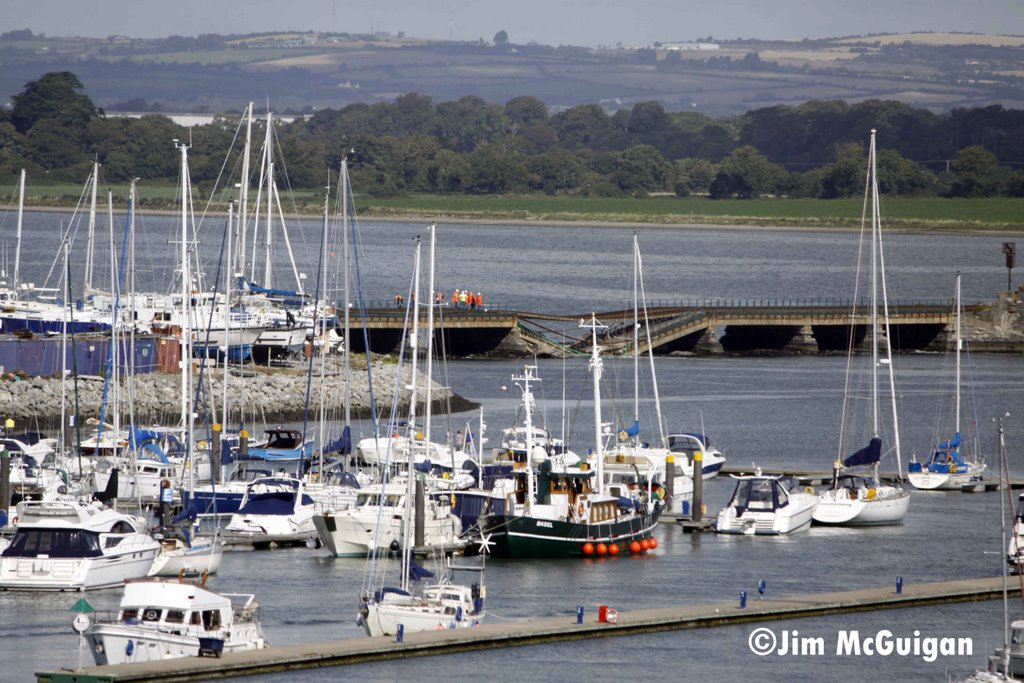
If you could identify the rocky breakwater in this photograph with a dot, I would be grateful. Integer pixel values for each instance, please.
(274, 394)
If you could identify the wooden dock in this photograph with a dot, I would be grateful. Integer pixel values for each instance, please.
(537, 631)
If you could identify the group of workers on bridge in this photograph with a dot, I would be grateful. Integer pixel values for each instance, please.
(461, 298)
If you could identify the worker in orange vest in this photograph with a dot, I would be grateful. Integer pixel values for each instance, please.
(455, 298)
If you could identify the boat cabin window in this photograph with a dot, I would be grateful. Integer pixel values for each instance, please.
(54, 543)
(1018, 636)
(211, 619)
(175, 616)
(122, 527)
(130, 613)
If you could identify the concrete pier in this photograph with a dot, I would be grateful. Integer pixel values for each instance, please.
(537, 631)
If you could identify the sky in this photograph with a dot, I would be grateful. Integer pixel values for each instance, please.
(549, 22)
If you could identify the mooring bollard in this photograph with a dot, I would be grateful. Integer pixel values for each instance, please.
(400, 635)
(579, 614)
(743, 599)
(899, 585)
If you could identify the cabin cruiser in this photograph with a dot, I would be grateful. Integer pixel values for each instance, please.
(377, 520)
(766, 505)
(273, 510)
(64, 545)
(168, 618)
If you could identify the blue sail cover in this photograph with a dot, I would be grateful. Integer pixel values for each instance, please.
(868, 455)
(341, 445)
(417, 571)
(633, 429)
(952, 443)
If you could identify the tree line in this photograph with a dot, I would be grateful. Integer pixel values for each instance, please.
(416, 145)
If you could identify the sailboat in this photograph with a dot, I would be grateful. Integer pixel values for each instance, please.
(854, 498)
(446, 604)
(561, 507)
(949, 468)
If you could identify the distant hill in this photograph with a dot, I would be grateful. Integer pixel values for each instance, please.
(303, 72)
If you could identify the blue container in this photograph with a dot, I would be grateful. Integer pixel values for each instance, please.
(579, 614)
(899, 585)
(743, 599)
(400, 636)
(761, 586)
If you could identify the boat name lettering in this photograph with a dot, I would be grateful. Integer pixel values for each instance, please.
(546, 525)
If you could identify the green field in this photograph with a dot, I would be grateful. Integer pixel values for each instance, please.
(927, 213)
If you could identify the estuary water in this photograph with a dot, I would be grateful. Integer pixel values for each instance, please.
(768, 411)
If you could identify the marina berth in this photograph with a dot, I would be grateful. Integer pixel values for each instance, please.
(65, 545)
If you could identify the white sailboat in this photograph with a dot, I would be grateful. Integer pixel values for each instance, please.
(862, 499)
(949, 468)
(445, 604)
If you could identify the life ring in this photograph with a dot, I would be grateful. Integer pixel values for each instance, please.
(151, 615)
(580, 510)
(809, 490)
(952, 468)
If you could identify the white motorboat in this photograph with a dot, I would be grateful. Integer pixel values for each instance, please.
(766, 505)
(183, 554)
(376, 521)
(691, 443)
(273, 510)
(70, 546)
(168, 618)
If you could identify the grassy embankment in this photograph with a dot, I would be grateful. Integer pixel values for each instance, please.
(916, 214)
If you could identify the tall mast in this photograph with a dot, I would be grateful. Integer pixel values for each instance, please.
(186, 285)
(268, 240)
(428, 411)
(959, 347)
(17, 244)
(410, 471)
(243, 208)
(345, 300)
(874, 288)
(92, 229)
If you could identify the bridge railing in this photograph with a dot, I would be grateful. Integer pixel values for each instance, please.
(793, 302)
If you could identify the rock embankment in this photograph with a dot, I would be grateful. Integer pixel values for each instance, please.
(274, 394)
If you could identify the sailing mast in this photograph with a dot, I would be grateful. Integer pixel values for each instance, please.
(16, 282)
(876, 216)
(407, 521)
(92, 230)
(185, 361)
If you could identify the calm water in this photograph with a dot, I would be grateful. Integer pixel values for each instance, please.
(769, 411)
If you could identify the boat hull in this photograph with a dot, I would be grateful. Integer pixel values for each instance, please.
(926, 480)
(529, 537)
(840, 509)
(768, 523)
(75, 574)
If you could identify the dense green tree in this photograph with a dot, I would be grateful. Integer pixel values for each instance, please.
(525, 111)
(976, 173)
(555, 171)
(900, 176)
(746, 173)
(846, 176)
(496, 168)
(693, 175)
(468, 121)
(56, 96)
(581, 126)
(647, 119)
(501, 38)
(642, 169)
